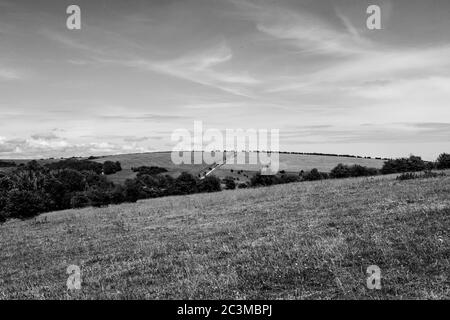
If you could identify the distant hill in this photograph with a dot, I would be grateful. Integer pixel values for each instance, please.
(289, 162)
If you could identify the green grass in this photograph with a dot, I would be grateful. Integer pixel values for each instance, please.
(310, 240)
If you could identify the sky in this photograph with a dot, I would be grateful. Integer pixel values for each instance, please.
(138, 70)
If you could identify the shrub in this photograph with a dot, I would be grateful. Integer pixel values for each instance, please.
(98, 198)
(356, 170)
(6, 184)
(407, 176)
(242, 186)
(151, 186)
(133, 190)
(209, 184)
(72, 180)
(117, 194)
(425, 175)
(261, 180)
(110, 167)
(229, 183)
(185, 183)
(56, 191)
(313, 175)
(80, 200)
(411, 164)
(340, 171)
(361, 171)
(288, 178)
(97, 181)
(443, 161)
(75, 164)
(431, 174)
(24, 204)
(7, 164)
(3, 214)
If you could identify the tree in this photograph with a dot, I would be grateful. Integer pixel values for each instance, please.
(185, 183)
(72, 180)
(133, 190)
(209, 184)
(411, 164)
(313, 175)
(24, 204)
(443, 161)
(56, 191)
(340, 171)
(80, 200)
(110, 167)
(98, 198)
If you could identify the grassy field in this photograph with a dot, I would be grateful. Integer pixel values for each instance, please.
(310, 240)
(289, 162)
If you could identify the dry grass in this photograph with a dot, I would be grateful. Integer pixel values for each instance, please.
(297, 241)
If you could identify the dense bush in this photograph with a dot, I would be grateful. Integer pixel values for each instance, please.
(344, 171)
(25, 204)
(229, 183)
(185, 183)
(79, 200)
(110, 167)
(3, 213)
(443, 161)
(6, 183)
(7, 164)
(259, 180)
(72, 180)
(411, 164)
(314, 175)
(117, 194)
(56, 190)
(407, 176)
(425, 175)
(98, 198)
(132, 190)
(288, 178)
(75, 164)
(209, 184)
(97, 181)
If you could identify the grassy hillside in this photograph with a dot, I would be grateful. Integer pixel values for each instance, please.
(288, 162)
(295, 241)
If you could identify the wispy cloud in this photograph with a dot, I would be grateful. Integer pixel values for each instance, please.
(7, 74)
(303, 30)
(201, 68)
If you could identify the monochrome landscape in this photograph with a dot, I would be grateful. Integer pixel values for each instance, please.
(224, 150)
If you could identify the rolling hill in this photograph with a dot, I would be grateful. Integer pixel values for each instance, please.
(309, 240)
(289, 162)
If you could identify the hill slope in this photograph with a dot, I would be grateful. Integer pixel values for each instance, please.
(288, 162)
(303, 240)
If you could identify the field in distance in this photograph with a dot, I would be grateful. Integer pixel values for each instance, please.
(309, 240)
(293, 163)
